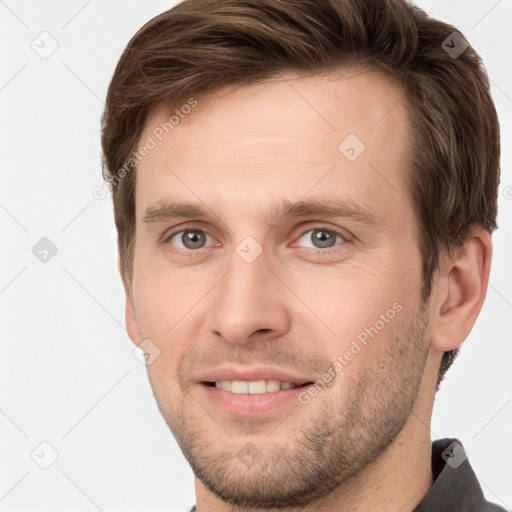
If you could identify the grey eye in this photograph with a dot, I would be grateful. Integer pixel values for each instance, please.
(320, 238)
(189, 239)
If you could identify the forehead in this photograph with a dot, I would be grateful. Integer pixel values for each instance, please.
(282, 137)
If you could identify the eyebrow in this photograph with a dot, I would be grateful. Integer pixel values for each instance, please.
(164, 210)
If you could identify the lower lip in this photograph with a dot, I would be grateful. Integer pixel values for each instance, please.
(246, 404)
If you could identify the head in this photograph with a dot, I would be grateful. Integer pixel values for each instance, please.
(253, 111)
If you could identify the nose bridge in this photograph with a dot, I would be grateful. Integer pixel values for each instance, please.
(249, 298)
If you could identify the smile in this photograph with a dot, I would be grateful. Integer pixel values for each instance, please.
(254, 387)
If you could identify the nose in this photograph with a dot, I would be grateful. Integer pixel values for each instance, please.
(250, 303)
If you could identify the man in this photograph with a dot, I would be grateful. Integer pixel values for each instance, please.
(304, 193)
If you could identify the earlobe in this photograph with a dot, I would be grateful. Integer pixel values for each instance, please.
(463, 286)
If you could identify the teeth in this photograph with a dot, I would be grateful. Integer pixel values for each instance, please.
(253, 387)
(273, 385)
(256, 387)
(224, 384)
(239, 386)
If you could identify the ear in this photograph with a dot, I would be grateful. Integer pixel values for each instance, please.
(460, 291)
(132, 326)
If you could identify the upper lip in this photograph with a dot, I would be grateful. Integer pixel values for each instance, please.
(252, 373)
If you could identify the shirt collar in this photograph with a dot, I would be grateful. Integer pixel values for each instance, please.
(456, 488)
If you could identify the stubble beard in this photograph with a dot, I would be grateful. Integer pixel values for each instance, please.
(339, 434)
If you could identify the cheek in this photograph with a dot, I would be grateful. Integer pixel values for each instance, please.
(160, 296)
(165, 387)
(168, 308)
(151, 308)
(343, 301)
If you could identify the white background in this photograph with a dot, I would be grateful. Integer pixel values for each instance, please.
(68, 373)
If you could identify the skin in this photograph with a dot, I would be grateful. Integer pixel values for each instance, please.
(362, 443)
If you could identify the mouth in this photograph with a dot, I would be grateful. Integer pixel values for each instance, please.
(255, 387)
(246, 391)
(253, 398)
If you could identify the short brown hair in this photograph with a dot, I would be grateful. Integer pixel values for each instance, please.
(199, 46)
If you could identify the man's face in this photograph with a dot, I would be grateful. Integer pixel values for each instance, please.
(245, 293)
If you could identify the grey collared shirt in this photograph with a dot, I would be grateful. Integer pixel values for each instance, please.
(456, 488)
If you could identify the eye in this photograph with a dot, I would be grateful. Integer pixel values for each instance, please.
(188, 239)
(321, 237)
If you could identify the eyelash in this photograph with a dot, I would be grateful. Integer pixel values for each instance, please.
(190, 252)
